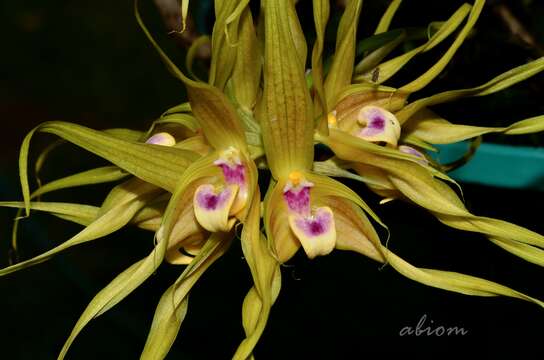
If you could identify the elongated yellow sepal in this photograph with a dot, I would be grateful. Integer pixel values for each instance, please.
(386, 70)
(387, 17)
(321, 10)
(285, 111)
(498, 83)
(172, 306)
(429, 127)
(225, 40)
(437, 68)
(341, 70)
(266, 277)
(354, 230)
(246, 75)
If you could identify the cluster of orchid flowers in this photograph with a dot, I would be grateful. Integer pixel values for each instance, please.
(193, 175)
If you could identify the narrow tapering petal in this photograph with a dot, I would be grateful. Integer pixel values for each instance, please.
(285, 111)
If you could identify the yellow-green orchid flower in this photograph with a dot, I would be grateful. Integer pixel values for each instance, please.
(210, 174)
(228, 176)
(366, 114)
(293, 215)
(305, 209)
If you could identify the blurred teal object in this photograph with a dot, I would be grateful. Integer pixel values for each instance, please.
(497, 165)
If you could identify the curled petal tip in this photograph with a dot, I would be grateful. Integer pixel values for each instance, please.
(316, 233)
(378, 125)
(212, 208)
(162, 138)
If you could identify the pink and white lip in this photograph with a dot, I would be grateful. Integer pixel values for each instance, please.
(314, 228)
(212, 207)
(375, 125)
(209, 200)
(378, 125)
(297, 198)
(233, 174)
(217, 205)
(315, 225)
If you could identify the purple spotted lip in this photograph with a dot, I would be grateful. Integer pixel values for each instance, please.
(208, 200)
(316, 225)
(298, 201)
(375, 126)
(234, 174)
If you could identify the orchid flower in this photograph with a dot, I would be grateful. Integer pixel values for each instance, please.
(209, 173)
(194, 173)
(296, 208)
(365, 114)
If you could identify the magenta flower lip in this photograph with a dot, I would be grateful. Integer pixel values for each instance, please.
(211, 201)
(298, 200)
(234, 174)
(315, 225)
(375, 126)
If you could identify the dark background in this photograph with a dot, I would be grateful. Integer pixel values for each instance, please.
(87, 62)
